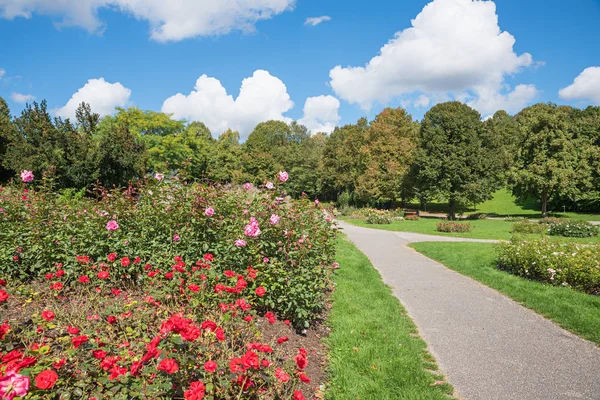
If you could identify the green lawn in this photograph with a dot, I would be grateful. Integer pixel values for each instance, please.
(374, 348)
(574, 311)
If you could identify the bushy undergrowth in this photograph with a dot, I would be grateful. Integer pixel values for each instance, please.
(529, 227)
(570, 228)
(187, 331)
(456, 227)
(567, 264)
(290, 242)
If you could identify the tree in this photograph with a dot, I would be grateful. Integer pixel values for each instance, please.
(452, 161)
(225, 158)
(553, 161)
(6, 131)
(388, 150)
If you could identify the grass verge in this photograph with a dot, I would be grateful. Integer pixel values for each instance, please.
(574, 311)
(374, 348)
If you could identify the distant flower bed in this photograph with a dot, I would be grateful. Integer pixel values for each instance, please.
(570, 228)
(378, 217)
(412, 217)
(454, 227)
(572, 265)
(528, 227)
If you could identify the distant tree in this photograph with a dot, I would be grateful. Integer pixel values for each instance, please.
(388, 151)
(226, 158)
(552, 160)
(452, 162)
(6, 132)
(198, 129)
(142, 123)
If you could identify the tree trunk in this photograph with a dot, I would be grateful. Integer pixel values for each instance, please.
(451, 209)
(544, 205)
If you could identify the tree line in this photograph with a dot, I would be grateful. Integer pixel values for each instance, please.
(547, 152)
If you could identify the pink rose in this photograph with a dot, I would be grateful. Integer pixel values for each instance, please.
(252, 228)
(270, 185)
(13, 385)
(274, 220)
(112, 226)
(26, 176)
(240, 243)
(247, 186)
(159, 177)
(283, 177)
(209, 212)
(176, 238)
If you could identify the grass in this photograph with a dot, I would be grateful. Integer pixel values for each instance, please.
(574, 311)
(375, 351)
(482, 229)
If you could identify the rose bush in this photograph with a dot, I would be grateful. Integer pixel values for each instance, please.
(291, 243)
(187, 333)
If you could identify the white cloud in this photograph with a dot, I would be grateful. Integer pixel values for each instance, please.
(314, 21)
(102, 96)
(453, 47)
(21, 98)
(489, 100)
(586, 86)
(169, 20)
(262, 97)
(2, 73)
(321, 114)
(421, 102)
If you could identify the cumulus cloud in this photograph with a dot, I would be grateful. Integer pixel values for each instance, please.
(314, 21)
(421, 101)
(454, 47)
(102, 96)
(586, 86)
(262, 97)
(321, 114)
(21, 98)
(169, 20)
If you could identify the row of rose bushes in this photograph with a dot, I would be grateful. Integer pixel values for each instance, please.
(188, 333)
(292, 242)
(562, 264)
(556, 227)
(453, 227)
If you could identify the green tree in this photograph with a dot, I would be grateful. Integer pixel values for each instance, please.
(226, 158)
(6, 131)
(451, 161)
(553, 159)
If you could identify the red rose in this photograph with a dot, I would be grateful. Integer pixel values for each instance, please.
(72, 330)
(56, 286)
(2, 282)
(282, 339)
(3, 296)
(103, 274)
(168, 365)
(59, 364)
(208, 257)
(84, 279)
(261, 291)
(49, 276)
(210, 366)
(304, 378)
(46, 379)
(194, 288)
(135, 368)
(48, 315)
(169, 275)
(111, 319)
(112, 257)
(270, 317)
(298, 395)
(281, 375)
(99, 354)
(137, 260)
(79, 340)
(4, 328)
(60, 273)
(220, 334)
(125, 261)
(300, 359)
(195, 392)
(209, 326)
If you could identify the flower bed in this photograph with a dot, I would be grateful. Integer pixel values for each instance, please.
(291, 243)
(186, 333)
(569, 228)
(569, 264)
(454, 227)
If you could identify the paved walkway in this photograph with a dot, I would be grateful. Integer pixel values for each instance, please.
(489, 346)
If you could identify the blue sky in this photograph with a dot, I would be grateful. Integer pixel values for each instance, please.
(45, 58)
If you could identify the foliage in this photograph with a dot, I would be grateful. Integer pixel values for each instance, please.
(571, 228)
(412, 217)
(160, 220)
(476, 216)
(377, 217)
(566, 264)
(187, 331)
(529, 227)
(450, 226)
(452, 159)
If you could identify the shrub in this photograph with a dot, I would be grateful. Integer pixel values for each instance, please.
(515, 219)
(290, 242)
(526, 226)
(572, 228)
(477, 216)
(186, 329)
(412, 217)
(567, 264)
(455, 227)
(378, 217)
